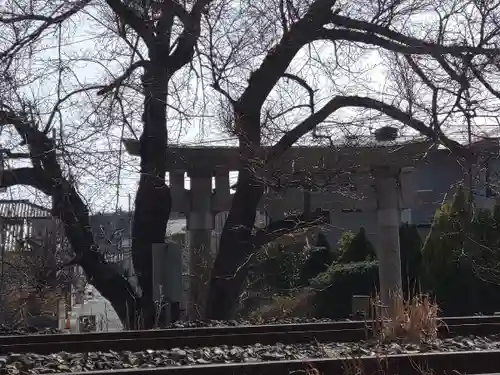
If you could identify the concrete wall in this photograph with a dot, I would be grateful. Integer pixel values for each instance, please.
(424, 189)
(436, 178)
(353, 206)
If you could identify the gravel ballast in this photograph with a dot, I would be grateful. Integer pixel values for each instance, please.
(30, 330)
(241, 322)
(27, 330)
(70, 362)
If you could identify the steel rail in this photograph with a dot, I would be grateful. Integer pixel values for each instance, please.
(299, 334)
(224, 330)
(439, 363)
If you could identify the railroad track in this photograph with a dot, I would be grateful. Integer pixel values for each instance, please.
(472, 362)
(212, 336)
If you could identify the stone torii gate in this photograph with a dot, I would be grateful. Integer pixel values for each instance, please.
(379, 174)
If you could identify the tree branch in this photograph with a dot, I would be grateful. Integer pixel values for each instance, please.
(420, 48)
(25, 176)
(179, 11)
(288, 225)
(277, 60)
(292, 136)
(420, 45)
(73, 213)
(189, 37)
(49, 20)
(32, 36)
(129, 17)
(485, 83)
(305, 85)
(118, 81)
(55, 108)
(216, 86)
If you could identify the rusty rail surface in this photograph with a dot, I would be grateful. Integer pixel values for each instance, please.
(240, 335)
(471, 362)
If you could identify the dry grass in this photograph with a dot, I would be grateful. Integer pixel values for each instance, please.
(413, 320)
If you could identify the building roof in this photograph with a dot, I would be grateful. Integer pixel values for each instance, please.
(22, 209)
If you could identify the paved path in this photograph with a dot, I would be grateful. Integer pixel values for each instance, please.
(107, 320)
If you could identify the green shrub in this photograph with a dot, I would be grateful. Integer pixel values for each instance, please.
(359, 249)
(344, 242)
(445, 240)
(336, 286)
(277, 268)
(355, 271)
(460, 244)
(319, 259)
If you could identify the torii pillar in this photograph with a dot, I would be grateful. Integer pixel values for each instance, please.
(200, 223)
(388, 193)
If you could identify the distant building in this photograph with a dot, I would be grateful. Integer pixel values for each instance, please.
(113, 234)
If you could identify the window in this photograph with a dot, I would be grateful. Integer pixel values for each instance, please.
(406, 216)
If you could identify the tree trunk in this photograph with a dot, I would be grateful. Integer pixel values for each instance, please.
(107, 278)
(235, 249)
(47, 175)
(153, 201)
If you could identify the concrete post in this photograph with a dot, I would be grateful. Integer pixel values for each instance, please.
(167, 278)
(222, 196)
(61, 314)
(388, 222)
(200, 223)
(179, 241)
(177, 191)
(173, 289)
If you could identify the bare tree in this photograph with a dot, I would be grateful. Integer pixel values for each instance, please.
(160, 38)
(416, 30)
(32, 280)
(459, 95)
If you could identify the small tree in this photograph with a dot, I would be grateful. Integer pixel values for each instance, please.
(460, 243)
(277, 267)
(320, 258)
(446, 238)
(359, 249)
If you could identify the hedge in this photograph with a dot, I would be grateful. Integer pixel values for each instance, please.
(459, 258)
(335, 287)
(345, 278)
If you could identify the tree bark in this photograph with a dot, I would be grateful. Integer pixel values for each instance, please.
(236, 243)
(107, 278)
(236, 246)
(153, 200)
(235, 250)
(47, 176)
